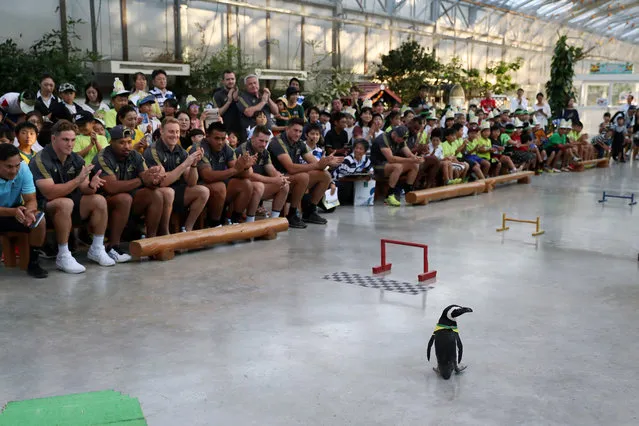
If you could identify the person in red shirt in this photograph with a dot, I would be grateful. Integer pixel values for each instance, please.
(488, 103)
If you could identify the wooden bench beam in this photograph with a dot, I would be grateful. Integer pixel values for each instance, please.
(520, 177)
(164, 247)
(424, 196)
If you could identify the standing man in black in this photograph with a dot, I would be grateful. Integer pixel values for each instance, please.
(252, 100)
(420, 103)
(225, 100)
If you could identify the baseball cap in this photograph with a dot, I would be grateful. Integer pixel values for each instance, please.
(27, 101)
(118, 89)
(120, 132)
(290, 90)
(67, 87)
(401, 131)
(146, 100)
(82, 116)
(349, 111)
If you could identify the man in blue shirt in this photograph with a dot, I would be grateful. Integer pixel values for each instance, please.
(18, 205)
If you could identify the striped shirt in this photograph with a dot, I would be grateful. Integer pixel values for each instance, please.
(351, 166)
(161, 96)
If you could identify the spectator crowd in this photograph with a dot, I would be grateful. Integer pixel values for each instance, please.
(139, 164)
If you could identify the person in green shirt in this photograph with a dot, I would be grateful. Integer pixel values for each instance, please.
(87, 142)
(119, 98)
(580, 142)
(557, 148)
(460, 169)
(483, 149)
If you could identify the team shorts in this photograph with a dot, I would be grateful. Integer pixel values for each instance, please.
(11, 224)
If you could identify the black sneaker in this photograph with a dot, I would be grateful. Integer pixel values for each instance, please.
(313, 217)
(294, 221)
(36, 271)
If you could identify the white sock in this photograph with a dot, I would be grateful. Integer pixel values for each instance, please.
(63, 249)
(275, 213)
(250, 219)
(98, 242)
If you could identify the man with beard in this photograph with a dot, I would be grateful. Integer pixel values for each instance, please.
(287, 152)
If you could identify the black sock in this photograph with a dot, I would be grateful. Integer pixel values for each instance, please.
(213, 223)
(236, 217)
(391, 190)
(397, 191)
(34, 254)
(408, 188)
(292, 211)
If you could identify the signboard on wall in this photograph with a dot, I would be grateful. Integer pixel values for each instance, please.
(611, 68)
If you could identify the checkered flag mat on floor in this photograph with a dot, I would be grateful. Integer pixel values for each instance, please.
(377, 282)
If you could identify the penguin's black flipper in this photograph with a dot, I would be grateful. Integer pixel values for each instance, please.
(430, 344)
(460, 347)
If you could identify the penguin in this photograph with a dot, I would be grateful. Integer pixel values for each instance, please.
(446, 339)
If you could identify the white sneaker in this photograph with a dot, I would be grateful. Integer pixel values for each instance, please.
(119, 256)
(68, 264)
(100, 256)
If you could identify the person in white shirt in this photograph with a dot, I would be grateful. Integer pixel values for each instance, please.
(624, 108)
(350, 122)
(542, 111)
(519, 102)
(45, 98)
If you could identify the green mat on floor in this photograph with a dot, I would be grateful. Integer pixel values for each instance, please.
(82, 409)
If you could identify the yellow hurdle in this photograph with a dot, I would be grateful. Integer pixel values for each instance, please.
(505, 219)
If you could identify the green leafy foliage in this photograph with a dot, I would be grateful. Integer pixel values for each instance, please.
(409, 66)
(207, 67)
(501, 71)
(559, 88)
(329, 85)
(21, 69)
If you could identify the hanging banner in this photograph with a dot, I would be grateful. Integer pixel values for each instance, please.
(611, 68)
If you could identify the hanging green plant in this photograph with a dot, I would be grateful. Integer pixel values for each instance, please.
(559, 88)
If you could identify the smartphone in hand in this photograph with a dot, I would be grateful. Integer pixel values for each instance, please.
(38, 218)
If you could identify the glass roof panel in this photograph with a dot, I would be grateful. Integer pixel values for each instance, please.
(609, 18)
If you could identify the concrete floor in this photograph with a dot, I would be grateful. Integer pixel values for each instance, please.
(250, 334)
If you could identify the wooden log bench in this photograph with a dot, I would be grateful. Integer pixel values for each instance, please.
(520, 177)
(11, 240)
(424, 196)
(590, 164)
(163, 248)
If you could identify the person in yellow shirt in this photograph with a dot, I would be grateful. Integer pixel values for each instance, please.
(87, 142)
(27, 135)
(449, 151)
(479, 165)
(128, 117)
